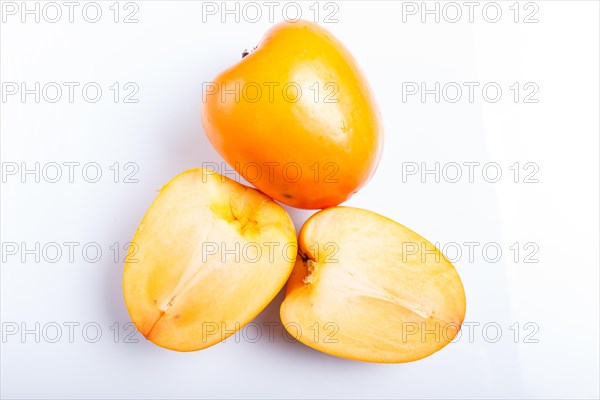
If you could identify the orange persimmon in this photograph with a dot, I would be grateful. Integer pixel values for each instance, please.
(296, 118)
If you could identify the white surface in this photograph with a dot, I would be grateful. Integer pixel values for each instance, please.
(168, 54)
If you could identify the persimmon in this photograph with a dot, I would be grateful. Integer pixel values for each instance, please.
(208, 256)
(367, 288)
(296, 118)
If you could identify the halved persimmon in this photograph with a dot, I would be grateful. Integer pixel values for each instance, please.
(367, 288)
(210, 254)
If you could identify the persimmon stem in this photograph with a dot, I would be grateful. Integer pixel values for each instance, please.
(246, 52)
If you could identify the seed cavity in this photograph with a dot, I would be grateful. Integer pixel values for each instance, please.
(312, 267)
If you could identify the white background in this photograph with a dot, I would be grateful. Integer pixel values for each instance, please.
(168, 54)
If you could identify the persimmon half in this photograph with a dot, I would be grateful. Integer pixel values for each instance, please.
(367, 288)
(208, 256)
(296, 118)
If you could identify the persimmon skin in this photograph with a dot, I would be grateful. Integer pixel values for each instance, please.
(310, 148)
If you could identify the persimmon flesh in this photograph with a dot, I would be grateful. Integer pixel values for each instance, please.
(296, 118)
(208, 256)
(367, 288)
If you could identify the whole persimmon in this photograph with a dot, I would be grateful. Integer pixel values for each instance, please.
(296, 118)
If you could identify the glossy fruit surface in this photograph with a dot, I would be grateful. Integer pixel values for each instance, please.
(367, 288)
(208, 256)
(296, 118)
